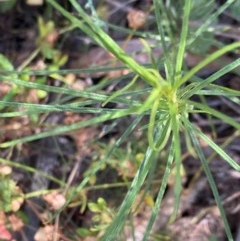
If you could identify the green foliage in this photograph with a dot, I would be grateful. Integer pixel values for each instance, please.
(164, 99)
(235, 9)
(46, 41)
(7, 5)
(202, 9)
(46, 29)
(84, 232)
(5, 64)
(103, 215)
(9, 194)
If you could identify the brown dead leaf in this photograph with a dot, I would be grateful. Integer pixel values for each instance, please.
(52, 37)
(34, 2)
(17, 203)
(81, 136)
(18, 200)
(32, 96)
(2, 218)
(5, 170)
(16, 223)
(71, 118)
(55, 199)
(5, 88)
(46, 233)
(127, 169)
(17, 127)
(39, 65)
(70, 78)
(136, 19)
(79, 85)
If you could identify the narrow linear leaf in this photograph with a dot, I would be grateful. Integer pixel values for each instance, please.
(213, 77)
(67, 128)
(210, 179)
(161, 192)
(218, 149)
(218, 114)
(208, 60)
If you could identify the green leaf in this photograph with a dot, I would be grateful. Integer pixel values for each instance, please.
(235, 9)
(202, 44)
(192, 131)
(7, 5)
(5, 64)
(102, 203)
(202, 9)
(83, 232)
(94, 207)
(41, 94)
(8, 191)
(218, 149)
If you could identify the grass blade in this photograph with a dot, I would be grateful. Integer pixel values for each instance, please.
(161, 192)
(183, 40)
(210, 79)
(67, 128)
(218, 114)
(208, 60)
(210, 179)
(217, 149)
(117, 225)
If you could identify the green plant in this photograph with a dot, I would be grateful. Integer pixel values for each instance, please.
(103, 214)
(168, 104)
(11, 195)
(7, 5)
